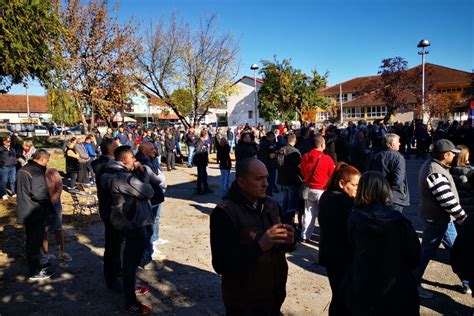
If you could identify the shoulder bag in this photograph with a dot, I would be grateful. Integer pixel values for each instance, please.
(304, 190)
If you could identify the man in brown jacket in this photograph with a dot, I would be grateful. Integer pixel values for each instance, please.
(248, 243)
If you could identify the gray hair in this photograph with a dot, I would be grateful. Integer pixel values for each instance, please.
(389, 139)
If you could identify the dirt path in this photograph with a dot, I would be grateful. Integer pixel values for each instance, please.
(186, 284)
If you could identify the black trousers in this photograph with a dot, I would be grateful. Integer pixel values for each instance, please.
(132, 256)
(112, 260)
(34, 228)
(336, 276)
(170, 160)
(82, 176)
(202, 179)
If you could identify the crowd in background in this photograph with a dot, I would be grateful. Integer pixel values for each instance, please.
(360, 167)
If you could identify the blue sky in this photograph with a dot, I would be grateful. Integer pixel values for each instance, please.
(347, 38)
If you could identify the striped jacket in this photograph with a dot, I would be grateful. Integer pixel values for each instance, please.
(439, 198)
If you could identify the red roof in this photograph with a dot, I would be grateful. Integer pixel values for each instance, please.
(260, 81)
(440, 75)
(170, 116)
(353, 85)
(17, 103)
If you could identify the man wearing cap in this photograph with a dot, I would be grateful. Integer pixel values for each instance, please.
(439, 205)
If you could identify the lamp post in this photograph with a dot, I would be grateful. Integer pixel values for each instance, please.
(422, 44)
(254, 67)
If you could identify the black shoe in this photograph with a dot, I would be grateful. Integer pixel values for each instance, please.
(116, 287)
(190, 166)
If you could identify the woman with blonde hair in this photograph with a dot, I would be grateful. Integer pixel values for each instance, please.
(385, 250)
(463, 176)
(28, 151)
(55, 219)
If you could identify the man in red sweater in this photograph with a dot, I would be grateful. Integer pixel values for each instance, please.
(323, 166)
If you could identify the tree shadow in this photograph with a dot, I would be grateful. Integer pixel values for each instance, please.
(77, 287)
(455, 288)
(445, 305)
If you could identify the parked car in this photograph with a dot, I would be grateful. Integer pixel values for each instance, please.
(75, 130)
(40, 130)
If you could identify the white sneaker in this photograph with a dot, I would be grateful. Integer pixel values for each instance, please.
(160, 242)
(5, 197)
(424, 293)
(14, 196)
(42, 275)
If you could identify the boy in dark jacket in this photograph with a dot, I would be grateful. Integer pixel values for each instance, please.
(225, 164)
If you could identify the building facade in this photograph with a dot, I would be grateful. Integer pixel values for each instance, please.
(241, 106)
(359, 102)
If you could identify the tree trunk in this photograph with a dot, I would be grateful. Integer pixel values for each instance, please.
(83, 117)
(92, 117)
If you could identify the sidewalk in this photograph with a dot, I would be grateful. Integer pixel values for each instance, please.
(187, 284)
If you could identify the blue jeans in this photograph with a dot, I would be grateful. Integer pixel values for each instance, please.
(148, 251)
(191, 150)
(8, 175)
(231, 144)
(224, 181)
(156, 226)
(433, 235)
(177, 145)
(291, 195)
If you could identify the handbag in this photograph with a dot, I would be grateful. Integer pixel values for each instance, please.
(304, 190)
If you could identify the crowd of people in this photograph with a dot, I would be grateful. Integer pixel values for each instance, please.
(352, 181)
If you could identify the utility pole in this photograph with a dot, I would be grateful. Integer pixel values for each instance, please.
(340, 100)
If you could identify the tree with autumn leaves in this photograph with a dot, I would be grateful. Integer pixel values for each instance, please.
(99, 58)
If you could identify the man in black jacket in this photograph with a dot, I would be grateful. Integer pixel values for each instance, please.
(393, 166)
(113, 237)
(126, 180)
(248, 244)
(267, 154)
(33, 206)
(289, 177)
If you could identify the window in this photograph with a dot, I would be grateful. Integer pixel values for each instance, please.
(352, 112)
(324, 116)
(250, 114)
(344, 97)
(376, 111)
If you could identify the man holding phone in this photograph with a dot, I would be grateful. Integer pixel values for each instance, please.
(248, 243)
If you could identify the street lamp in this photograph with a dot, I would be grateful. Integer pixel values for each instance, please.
(422, 44)
(254, 67)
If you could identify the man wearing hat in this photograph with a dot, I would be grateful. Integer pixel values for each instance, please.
(439, 206)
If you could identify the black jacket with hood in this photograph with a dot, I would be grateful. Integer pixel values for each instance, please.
(130, 196)
(386, 251)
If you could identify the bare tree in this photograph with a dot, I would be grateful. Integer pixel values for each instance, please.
(99, 55)
(201, 65)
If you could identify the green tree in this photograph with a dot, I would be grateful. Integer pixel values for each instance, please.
(288, 93)
(29, 31)
(62, 107)
(183, 100)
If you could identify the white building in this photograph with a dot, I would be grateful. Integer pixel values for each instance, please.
(241, 107)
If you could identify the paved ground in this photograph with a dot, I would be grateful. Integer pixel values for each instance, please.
(186, 284)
